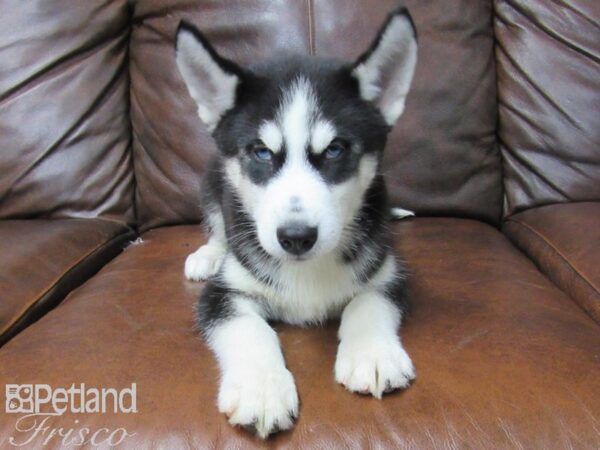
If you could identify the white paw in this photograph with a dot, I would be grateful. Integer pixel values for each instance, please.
(373, 365)
(265, 401)
(204, 262)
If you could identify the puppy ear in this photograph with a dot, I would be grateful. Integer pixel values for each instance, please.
(385, 71)
(211, 79)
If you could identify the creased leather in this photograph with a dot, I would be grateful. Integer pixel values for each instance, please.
(548, 58)
(564, 241)
(64, 123)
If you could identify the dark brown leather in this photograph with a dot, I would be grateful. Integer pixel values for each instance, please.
(43, 260)
(441, 159)
(504, 358)
(548, 58)
(64, 125)
(564, 241)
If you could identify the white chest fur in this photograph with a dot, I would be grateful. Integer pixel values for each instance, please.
(308, 291)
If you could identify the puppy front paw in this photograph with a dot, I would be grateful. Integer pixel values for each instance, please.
(373, 365)
(204, 262)
(262, 401)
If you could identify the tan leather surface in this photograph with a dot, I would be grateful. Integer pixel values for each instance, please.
(64, 125)
(43, 260)
(441, 158)
(548, 58)
(564, 241)
(504, 358)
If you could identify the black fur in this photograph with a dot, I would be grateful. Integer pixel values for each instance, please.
(397, 292)
(358, 123)
(370, 232)
(214, 306)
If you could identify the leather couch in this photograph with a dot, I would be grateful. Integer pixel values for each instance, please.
(498, 153)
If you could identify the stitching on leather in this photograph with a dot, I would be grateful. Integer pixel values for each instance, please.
(18, 318)
(555, 250)
(311, 27)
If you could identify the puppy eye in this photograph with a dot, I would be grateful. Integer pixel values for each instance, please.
(262, 153)
(335, 150)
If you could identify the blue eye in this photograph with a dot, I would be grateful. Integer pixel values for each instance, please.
(334, 150)
(263, 154)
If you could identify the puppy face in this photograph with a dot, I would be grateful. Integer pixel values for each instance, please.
(301, 138)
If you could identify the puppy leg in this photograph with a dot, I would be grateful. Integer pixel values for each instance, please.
(370, 357)
(257, 390)
(206, 261)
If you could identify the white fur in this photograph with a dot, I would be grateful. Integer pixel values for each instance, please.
(348, 196)
(370, 357)
(385, 77)
(209, 85)
(271, 136)
(297, 112)
(401, 213)
(206, 261)
(256, 387)
(299, 194)
(323, 133)
(306, 292)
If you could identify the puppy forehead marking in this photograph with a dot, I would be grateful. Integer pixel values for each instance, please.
(271, 136)
(297, 114)
(322, 134)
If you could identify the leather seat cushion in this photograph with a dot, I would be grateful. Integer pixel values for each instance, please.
(43, 260)
(564, 241)
(503, 357)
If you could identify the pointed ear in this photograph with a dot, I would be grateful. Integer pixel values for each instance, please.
(211, 79)
(385, 71)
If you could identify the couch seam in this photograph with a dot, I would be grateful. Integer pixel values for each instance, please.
(311, 28)
(556, 251)
(497, 143)
(72, 267)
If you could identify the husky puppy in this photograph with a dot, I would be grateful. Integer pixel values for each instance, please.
(297, 215)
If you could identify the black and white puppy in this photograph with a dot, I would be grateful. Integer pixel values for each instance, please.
(297, 213)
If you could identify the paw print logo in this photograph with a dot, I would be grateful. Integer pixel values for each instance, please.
(19, 398)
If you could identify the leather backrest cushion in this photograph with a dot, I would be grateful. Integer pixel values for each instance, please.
(64, 126)
(441, 158)
(548, 57)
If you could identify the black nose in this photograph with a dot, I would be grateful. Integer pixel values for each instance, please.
(297, 239)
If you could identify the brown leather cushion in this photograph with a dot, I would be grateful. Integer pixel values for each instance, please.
(442, 158)
(548, 57)
(42, 260)
(64, 110)
(564, 241)
(504, 358)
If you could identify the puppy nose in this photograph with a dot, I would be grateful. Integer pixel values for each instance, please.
(297, 239)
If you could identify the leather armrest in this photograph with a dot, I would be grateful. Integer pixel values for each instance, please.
(564, 242)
